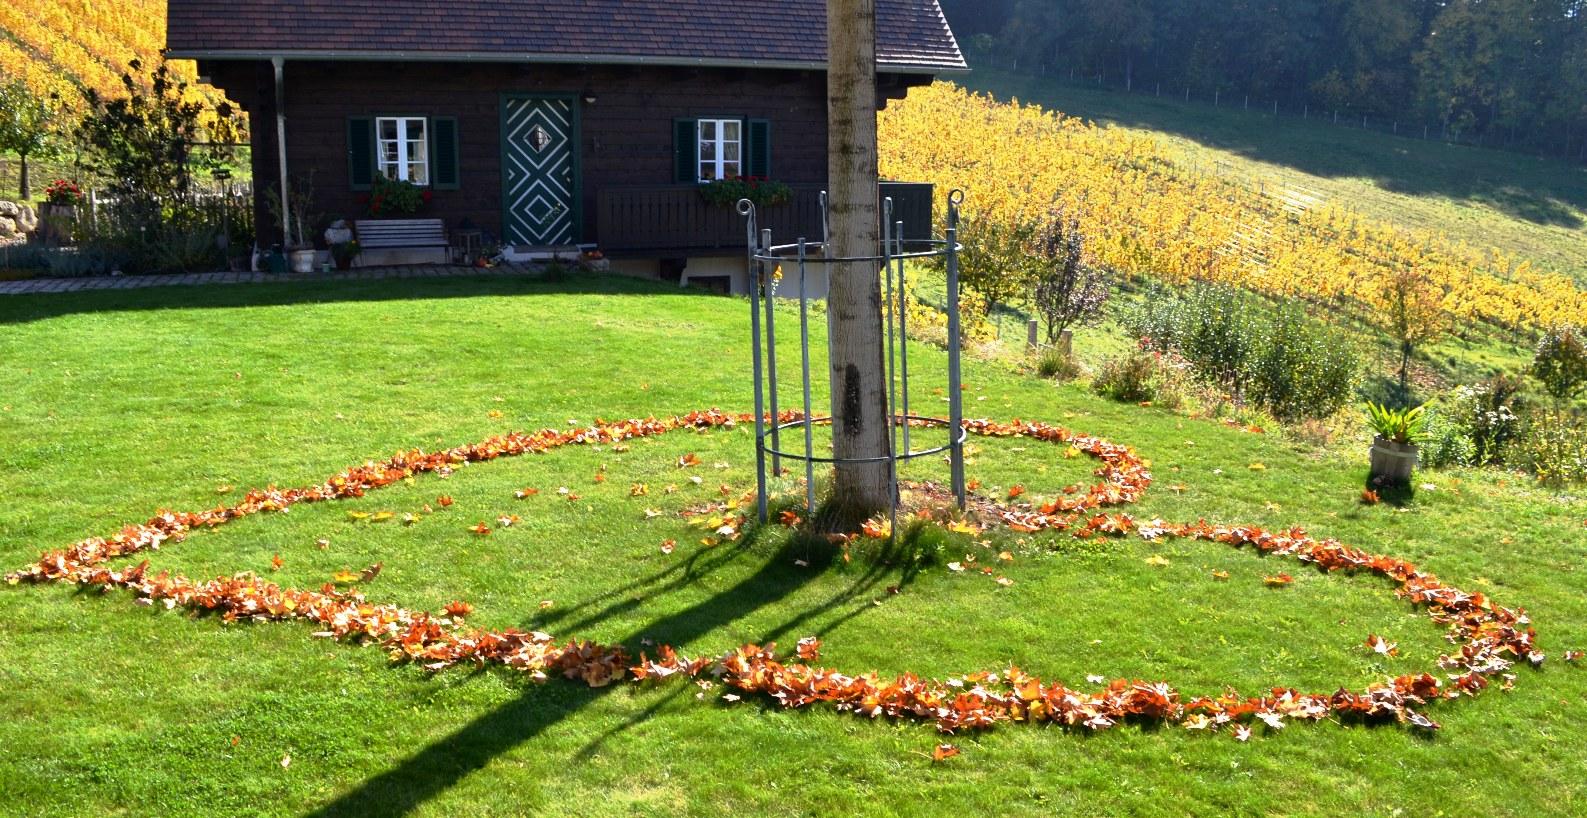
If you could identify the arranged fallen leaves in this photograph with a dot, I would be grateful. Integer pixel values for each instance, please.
(1489, 639)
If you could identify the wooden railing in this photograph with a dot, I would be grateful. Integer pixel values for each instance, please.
(677, 219)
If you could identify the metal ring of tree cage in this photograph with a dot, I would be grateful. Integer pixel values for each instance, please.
(790, 252)
(964, 435)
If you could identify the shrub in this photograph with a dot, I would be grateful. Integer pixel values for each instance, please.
(1300, 368)
(998, 260)
(1288, 364)
(1561, 362)
(1475, 425)
(1554, 447)
(1130, 378)
(1053, 363)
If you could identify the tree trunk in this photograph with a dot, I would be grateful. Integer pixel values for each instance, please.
(861, 428)
(24, 181)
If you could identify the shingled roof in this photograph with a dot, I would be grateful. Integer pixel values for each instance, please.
(912, 35)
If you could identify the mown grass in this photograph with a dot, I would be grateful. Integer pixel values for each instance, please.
(1530, 207)
(114, 404)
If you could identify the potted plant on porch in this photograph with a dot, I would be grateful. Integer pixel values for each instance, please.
(299, 246)
(1394, 451)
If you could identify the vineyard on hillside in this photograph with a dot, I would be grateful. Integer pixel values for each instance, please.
(59, 45)
(1149, 212)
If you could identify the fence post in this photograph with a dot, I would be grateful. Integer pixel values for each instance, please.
(1275, 107)
(1247, 102)
(1187, 93)
(1030, 334)
(1215, 95)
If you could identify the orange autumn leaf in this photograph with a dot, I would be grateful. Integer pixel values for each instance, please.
(275, 563)
(480, 528)
(638, 490)
(1381, 646)
(809, 649)
(943, 752)
(1278, 581)
(371, 572)
(526, 493)
(600, 477)
(1015, 491)
(346, 576)
(789, 518)
(689, 460)
(876, 529)
(508, 520)
(668, 545)
(458, 609)
(1370, 497)
(444, 500)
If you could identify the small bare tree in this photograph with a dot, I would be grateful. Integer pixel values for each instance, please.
(1068, 290)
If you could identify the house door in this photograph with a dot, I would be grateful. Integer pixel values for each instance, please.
(540, 170)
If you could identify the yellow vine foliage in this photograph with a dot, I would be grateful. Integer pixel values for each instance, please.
(1147, 211)
(61, 45)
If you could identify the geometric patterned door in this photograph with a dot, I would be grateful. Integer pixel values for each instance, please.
(537, 156)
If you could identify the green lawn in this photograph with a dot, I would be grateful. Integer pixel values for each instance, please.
(1530, 207)
(114, 404)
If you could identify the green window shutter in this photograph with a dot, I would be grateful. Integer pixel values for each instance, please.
(686, 150)
(360, 152)
(443, 153)
(759, 148)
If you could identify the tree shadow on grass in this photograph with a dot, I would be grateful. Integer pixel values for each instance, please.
(444, 763)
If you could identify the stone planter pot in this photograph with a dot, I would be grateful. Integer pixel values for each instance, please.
(302, 260)
(1392, 463)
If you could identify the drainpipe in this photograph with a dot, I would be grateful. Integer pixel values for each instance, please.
(281, 147)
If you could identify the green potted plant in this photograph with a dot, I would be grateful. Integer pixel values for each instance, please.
(344, 252)
(762, 192)
(396, 197)
(1394, 448)
(299, 246)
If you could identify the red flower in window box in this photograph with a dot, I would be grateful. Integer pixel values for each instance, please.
(427, 195)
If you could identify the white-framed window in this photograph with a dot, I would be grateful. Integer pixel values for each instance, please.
(721, 149)
(402, 149)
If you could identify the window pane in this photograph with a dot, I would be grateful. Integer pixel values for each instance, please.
(419, 174)
(708, 171)
(730, 170)
(707, 151)
(415, 129)
(415, 152)
(730, 152)
(388, 128)
(707, 130)
(730, 129)
(388, 152)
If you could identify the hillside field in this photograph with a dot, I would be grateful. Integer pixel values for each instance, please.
(1526, 206)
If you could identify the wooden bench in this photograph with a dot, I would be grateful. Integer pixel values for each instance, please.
(402, 241)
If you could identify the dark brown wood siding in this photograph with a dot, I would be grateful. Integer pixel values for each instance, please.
(626, 139)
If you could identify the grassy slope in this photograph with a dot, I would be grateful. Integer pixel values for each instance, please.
(1533, 208)
(116, 403)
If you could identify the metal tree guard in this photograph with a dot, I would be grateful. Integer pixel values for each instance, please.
(762, 258)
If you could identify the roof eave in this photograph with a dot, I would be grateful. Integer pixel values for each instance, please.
(339, 55)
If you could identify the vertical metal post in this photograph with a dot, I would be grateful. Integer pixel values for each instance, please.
(826, 253)
(771, 358)
(955, 398)
(903, 330)
(892, 358)
(281, 150)
(754, 270)
(804, 353)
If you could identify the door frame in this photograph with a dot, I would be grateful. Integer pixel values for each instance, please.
(576, 140)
